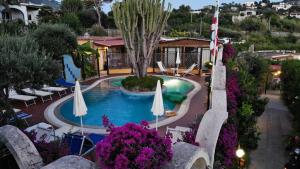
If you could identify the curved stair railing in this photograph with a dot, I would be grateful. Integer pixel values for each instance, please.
(72, 72)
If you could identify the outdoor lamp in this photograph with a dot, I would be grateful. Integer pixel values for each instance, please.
(240, 153)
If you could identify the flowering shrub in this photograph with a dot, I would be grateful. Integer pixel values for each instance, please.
(228, 52)
(228, 141)
(233, 93)
(133, 146)
(190, 136)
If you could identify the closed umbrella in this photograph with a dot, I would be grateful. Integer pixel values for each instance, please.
(158, 104)
(79, 106)
(178, 62)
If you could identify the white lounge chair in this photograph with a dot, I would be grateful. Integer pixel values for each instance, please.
(44, 132)
(13, 95)
(60, 90)
(161, 67)
(39, 93)
(19, 115)
(47, 132)
(177, 133)
(65, 130)
(189, 70)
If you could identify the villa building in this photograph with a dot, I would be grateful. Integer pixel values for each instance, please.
(282, 5)
(250, 5)
(295, 14)
(112, 50)
(243, 15)
(27, 12)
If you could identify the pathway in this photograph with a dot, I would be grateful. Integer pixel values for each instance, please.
(274, 124)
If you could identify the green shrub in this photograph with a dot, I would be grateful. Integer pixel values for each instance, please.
(290, 79)
(147, 83)
(72, 20)
(97, 31)
(56, 39)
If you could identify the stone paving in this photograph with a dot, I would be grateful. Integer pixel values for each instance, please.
(274, 124)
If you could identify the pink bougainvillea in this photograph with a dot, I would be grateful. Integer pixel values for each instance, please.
(233, 93)
(228, 52)
(190, 136)
(133, 146)
(228, 141)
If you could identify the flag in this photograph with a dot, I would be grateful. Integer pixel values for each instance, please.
(214, 34)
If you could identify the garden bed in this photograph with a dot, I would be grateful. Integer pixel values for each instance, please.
(144, 84)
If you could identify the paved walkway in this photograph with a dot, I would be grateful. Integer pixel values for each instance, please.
(274, 124)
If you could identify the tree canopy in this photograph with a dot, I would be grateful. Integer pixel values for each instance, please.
(71, 6)
(23, 64)
(56, 39)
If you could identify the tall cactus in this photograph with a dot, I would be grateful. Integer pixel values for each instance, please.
(142, 23)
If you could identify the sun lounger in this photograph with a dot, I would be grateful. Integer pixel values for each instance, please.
(19, 115)
(78, 144)
(62, 82)
(39, 93)
(189, 70)
(44, 132)
(177, 133)
(95, 138)
(161, 67)
(65, 130)
(60, 90)
(28, 100)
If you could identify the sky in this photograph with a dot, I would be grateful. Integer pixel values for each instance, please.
(195, 4)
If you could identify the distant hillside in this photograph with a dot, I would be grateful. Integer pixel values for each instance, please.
(52, 3)
(294, 2)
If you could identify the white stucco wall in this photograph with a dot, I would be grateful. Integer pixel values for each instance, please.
(34, 13)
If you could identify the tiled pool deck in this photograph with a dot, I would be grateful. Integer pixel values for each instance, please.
(197, 106)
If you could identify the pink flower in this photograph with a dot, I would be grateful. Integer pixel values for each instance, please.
(133, 146)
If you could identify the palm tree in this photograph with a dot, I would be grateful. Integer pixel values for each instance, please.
(142, 23)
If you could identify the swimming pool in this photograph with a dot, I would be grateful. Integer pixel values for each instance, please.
(107, 99)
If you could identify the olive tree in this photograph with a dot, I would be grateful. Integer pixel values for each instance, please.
(56, 39)
(22, 64)
(141, 23)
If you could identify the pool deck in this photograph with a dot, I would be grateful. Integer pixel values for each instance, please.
(197, 106)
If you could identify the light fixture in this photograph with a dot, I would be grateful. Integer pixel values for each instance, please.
(240, 153)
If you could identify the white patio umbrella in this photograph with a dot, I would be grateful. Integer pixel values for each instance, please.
(79, 106)
(178, 61)
(158, 104)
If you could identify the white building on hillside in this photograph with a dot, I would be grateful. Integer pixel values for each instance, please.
(250, 5)
(26, 12)
(243, 15)
(282, 5)
(295, 14)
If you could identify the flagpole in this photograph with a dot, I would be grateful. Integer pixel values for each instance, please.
(217, 31)
(215, 44)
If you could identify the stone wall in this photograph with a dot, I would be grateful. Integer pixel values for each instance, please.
(23, 150)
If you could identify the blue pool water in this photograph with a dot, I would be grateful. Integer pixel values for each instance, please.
(107, 99)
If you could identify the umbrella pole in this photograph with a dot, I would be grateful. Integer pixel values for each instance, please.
(156, 122)
(81, 125)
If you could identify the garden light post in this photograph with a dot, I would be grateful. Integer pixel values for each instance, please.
(240, 153)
